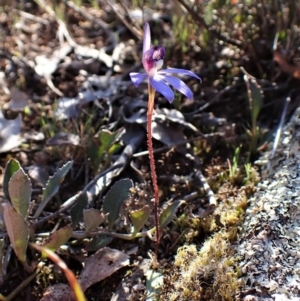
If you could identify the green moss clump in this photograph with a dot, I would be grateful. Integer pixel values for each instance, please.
(209, 274)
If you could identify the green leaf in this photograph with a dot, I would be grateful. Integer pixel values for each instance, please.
(19, 188)
(257, 98)
(103, 144)
(114, 148)
(255, 95)
(98, 243)
(17, 230)
(139, 218)
(92, 219)
(168, 213)
(113, 200)
(154, 282)
(58, 238)
(52, 186)
(282, 34)
(76, 211)
(12, 166)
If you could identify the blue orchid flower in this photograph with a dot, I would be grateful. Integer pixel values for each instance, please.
(160, 80)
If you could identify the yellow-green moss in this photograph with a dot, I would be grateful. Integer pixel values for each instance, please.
(209, 274)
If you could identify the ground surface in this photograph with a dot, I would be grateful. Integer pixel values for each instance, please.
(66, 95)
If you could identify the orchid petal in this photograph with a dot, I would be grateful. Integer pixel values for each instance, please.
(147, 38)
(179, 85)
(137, 78)
(179, 71)
(160, 86)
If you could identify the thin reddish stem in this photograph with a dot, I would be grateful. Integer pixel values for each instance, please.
(74, 284)
(151, 158)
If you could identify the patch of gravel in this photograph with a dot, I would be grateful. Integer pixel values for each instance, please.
(269, 246)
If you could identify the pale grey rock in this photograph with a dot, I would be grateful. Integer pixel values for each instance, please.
(269, 246)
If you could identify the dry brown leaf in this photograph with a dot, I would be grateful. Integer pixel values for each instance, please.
(10, 136)
(62, 138)
(101, 265)
(131, 285)
(58, 292)
(39, 174)
(18, 100)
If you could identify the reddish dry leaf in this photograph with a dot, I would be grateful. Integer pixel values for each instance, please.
(92, 219)
(285, 66)
(101, 265)
(58, 292)
(17, 230)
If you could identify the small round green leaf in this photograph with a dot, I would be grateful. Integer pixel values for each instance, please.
(76, 211)
(139, 218)
(154, 283)
(115, 197)
(97, 243)
(168, 213)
